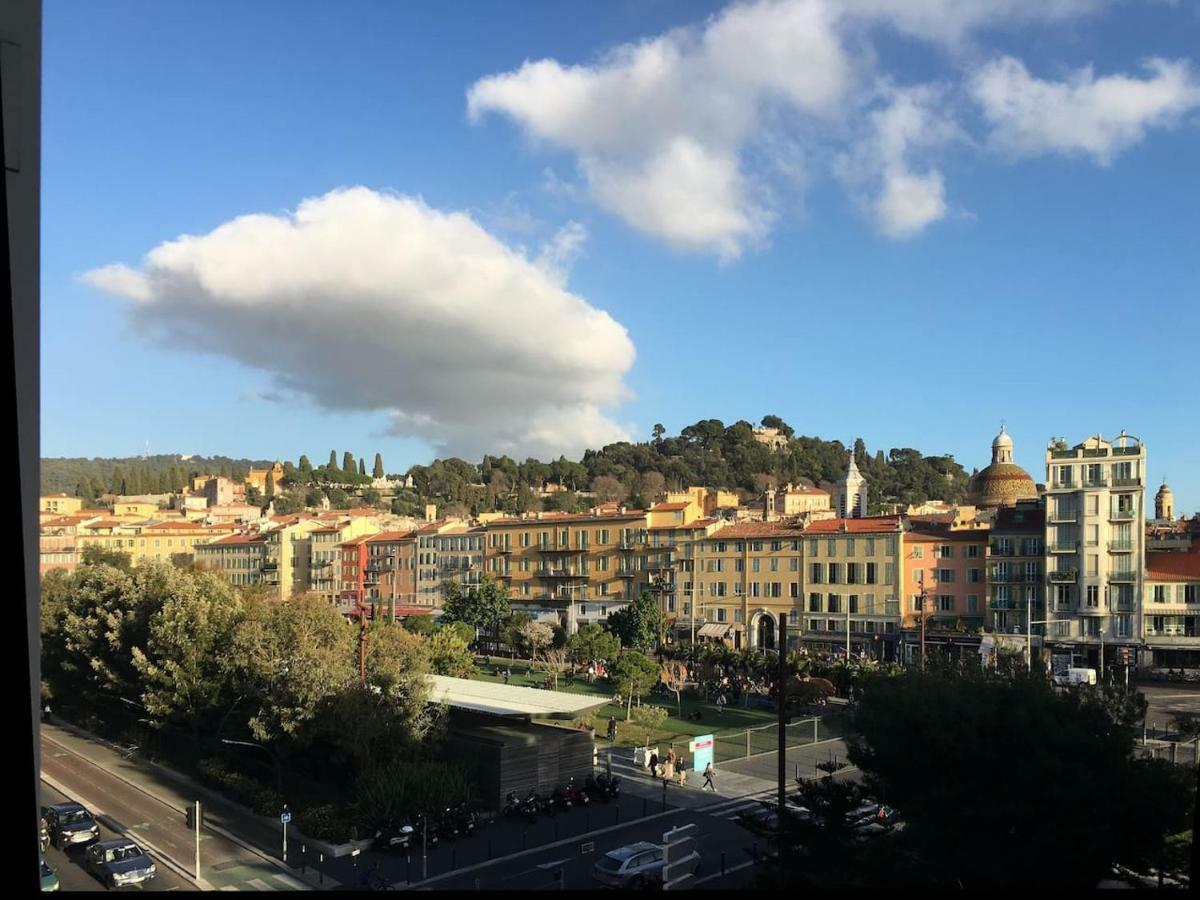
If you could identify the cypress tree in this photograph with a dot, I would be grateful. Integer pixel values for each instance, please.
(377, 472)
(333, 459)
(305, 465)
(117, 483)
(362, 468)
(348, 462)
(81, 490)
(270, 489)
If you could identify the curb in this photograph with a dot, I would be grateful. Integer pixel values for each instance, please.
(216, 829)
(173, 864)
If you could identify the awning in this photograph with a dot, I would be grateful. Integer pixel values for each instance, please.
(713, 629)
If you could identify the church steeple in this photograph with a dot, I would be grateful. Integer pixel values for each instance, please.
(852, 492)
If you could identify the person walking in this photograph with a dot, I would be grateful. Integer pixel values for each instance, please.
(720, 702)
(507, 674)
(708, 779)
(612, 728)
(654, 764)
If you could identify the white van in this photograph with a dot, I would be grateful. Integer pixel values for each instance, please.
(1076, 676)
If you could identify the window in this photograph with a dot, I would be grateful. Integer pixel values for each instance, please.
(754, 589)
(972, 551)
(794, 564)
(870, 549)
(776, 546)
(974, 576)
(1160, 593)
(852, 600)
(1003, 547)
(945, 576)
(972, 603)
(1093, 595)
(774, 567)
(814, 603)
(739, 565)
(814, 547)
(943, 551)
(755, 565)
(795, 590)
(835, 603)
(946, 603)
(851, 573)
(720, 614)
(816, 573)
(870, 573)
(849, 546)
(916, 602)
(835, 573)
(918, 552)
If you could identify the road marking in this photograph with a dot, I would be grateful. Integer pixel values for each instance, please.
(723, 874)
(552, 865)
(259, 885)
(292, 883)
(229, 887)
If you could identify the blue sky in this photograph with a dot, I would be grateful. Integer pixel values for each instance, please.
(904, 224)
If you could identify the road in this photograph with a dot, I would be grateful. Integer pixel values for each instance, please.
(225, 865)
(1167, 699)
(69, 864)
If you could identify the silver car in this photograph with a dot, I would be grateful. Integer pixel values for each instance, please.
(119, 862)
(635, 865)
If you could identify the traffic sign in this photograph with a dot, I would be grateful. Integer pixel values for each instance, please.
(285, 817)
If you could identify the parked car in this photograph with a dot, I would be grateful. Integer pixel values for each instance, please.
(119, 862)
(49, 877)
(70, 824)
(638, 865)
(1076, 676)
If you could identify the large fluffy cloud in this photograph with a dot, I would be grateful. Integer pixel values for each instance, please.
(671, 134)
(1082, 115)
(370, 301)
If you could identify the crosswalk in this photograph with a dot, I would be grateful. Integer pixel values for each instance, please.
(261, 884)
(731, 809)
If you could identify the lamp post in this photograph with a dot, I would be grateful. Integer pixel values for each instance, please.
(274, 759)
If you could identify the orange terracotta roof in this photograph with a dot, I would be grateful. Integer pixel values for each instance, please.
(182, 523)
(237, 539)
(355, 541)
(1174, 565)
(756, 529)
(669, 507)
(391, 536)
(868, 525)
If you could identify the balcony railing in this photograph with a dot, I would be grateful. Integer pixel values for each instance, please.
(996, 551)
(1120, 546)
(1095, 482)
(1126, 451)
(1063, 547)
(1059, 485)
(1064, 515)
(1120, 515)
(1126, 482)
(1065, 576)
(560, 573)
(1122, 577)
(628, 573)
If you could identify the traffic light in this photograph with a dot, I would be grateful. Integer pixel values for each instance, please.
(189, 815)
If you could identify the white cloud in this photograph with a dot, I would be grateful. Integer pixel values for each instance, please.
(680, 135)
(370, 301)
(1083, 115)
(563, 249)
(903, 127)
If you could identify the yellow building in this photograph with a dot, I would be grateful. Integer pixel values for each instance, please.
(60, 504)
(313, 544)
(258, 477)
(148, 541)
(134, 508)
(552, 559)
(239, 557)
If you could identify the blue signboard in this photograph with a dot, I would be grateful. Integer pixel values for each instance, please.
(285, 817)
(702, 751)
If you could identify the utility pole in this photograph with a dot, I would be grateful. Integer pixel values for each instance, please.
(922, 621)
(781, 691)
(362, 643)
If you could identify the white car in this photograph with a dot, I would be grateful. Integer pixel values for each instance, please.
(638, 865)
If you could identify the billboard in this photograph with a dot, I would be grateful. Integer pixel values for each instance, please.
(701, 749)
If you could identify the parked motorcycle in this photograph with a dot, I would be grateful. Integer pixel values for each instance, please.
(609, 784)
(543, 803)
(559, 798)
(395, 838)
(514, 807)
(447, 825)
(43, 834)
(592, 788)
(465, 819)
(576, 795)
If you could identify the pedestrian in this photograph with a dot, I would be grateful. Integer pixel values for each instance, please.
(720, 702)
(708, 778)
(46, 712)
(612, 728)
(654, 764)
(671, 757)
(682, 771)
(507, 674)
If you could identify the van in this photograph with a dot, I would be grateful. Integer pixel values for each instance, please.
(1076, 676)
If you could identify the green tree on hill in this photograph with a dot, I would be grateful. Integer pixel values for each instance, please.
(377, 472)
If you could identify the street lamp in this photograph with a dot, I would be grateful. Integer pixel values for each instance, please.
(268, 751)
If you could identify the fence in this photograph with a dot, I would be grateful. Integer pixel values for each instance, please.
(1183, 753)
(730, 745)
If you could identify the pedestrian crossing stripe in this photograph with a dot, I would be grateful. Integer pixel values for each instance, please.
(229, 887)
(259, 885)
(292, 883)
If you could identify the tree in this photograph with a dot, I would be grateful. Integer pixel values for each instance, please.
(651, 719)
(553, 661)
(332, 460)
(608, 489)
(484, 606)
(339, 499)
(377, 471)
(657, 433)
(651, 486)
(783, 427)
(979, 807)
(348, 462)
(287, 658)
(591, 642)
(637, 623)
(98, 555)
(510, 629)
(362, 467)
(270, 490)
(183, 676)
(254, 496)
(423, 625)
(117, 484)
(449, 653)
(536, 637)
(305, 465)
(634, 675)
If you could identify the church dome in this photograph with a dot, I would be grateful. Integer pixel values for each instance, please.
(1001, 484)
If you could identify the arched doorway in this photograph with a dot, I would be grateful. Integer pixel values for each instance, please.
(765, 632)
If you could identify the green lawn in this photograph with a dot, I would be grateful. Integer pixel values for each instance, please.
(732, 718)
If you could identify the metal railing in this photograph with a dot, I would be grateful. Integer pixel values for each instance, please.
(733, 745)
(1063, 547)
(1118, 515)
(1065, 576)
(1120, 545)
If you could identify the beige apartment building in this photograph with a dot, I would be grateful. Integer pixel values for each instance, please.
(59, 504)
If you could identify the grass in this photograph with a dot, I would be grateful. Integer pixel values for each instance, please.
(732, 718)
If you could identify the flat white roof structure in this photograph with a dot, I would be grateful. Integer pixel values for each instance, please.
(509, 700)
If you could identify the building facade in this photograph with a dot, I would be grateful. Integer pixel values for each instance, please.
(1171, 609)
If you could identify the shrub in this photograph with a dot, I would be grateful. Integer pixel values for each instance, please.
(263, 800)
(327, 823)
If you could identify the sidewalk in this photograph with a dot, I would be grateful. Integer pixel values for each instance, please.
(259, 838)
(638, 782)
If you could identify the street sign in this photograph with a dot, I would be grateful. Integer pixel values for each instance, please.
(285, 817)
(701, 749)
(587, 847)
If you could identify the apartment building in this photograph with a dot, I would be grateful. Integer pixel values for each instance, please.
(550, 560)
(1016, 591)
(59, 504)
(352, 587)
(316, 548)
(852, 569)
(675, 530)
(458, 555)
(239, 557)
(945, 578)
(1171, 609)
(746, 577)
(390, 575)
(1095, 544)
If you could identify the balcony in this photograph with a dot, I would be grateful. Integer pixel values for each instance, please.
(270, 567)
(1126, 482)
(1065, 576)
(1063, 515)
(1120, 546)
(560, 573)
(626, 544)
(1121, 515)
(1057, 485)
(1127, 451)
(1095, 482)
(1124, 577)
(996, 551)
(553, 548)
(1063, 547)
(628, 573)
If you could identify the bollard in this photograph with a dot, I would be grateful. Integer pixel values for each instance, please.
(722, 863)
(408, 869)
(303, 858)
(321, 871)
(747, 742)
(664, 795)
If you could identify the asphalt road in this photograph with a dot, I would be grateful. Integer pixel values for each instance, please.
(1167, 700)
(73, 877)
